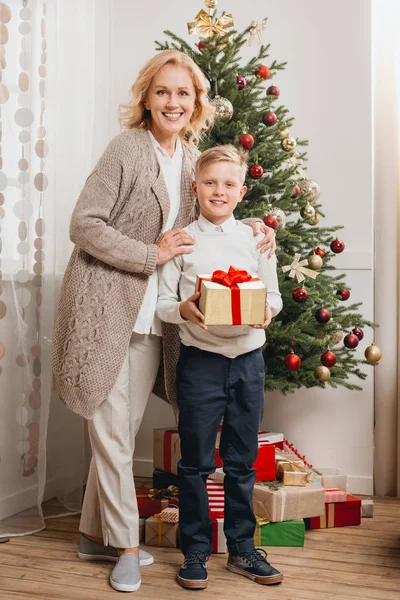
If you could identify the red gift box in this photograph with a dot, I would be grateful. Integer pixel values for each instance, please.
(218, 540)
(148, 507)
(339, 514)
(265, 464)
(216, 498)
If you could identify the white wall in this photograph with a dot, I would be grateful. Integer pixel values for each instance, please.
(327, 88)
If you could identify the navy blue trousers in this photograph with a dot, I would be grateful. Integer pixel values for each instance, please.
(211, 386)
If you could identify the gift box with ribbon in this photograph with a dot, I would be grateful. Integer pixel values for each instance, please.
(291, 470)
(335, 495)
(284, 503)
(150, 502)
(231, 298)
(218, 540)
(338, 514)
(332, 478)
(285, 533)
(161, 533)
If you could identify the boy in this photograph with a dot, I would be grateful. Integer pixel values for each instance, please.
(220, 373)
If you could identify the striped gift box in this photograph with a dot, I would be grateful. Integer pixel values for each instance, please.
(335, 495)
(216, 498)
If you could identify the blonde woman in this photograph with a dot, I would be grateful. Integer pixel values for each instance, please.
(107, 341)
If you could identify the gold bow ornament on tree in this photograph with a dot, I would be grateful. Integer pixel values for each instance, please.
(204, 26)
(255, 33)
(298, 269)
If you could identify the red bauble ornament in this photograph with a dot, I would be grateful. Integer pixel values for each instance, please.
(320, 252)
(351, 340)
(241, 82)
(300, 295)
(273, 91)
(246, 141)
(292, 361)
(323, 315)
(358, 332)
(328, 359)
(256, 172)
(343, 294)
(263, 72)
(337, 246)
(200, 45)
(296, 191)
(271, 221)
(270, 118)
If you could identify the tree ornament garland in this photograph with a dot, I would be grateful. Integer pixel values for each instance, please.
(270, 118)
(223, 108)
(288, 144)
(246, 141)
(263, 72)
(343, 294)
(292, 361)
(328, 359)
(373, 353)
(322, 374)
(337, 246)
(273, 90)
(300, 295)
(358, 332)
(323, 315)
(256, 172)
(315, 262)
(351, 341)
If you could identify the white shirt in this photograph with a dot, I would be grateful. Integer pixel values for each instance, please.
(216, 247)
(171, 169)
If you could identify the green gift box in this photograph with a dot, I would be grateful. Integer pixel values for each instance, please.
(284, 533)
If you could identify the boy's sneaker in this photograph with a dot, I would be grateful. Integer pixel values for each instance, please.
(90, 550)
(193, 573)
(255, 566)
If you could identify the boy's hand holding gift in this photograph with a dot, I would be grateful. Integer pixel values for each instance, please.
(189, 311)
(268, 319)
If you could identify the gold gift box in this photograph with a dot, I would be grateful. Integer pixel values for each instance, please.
(215, 302)
(289, 503)
(290, 474)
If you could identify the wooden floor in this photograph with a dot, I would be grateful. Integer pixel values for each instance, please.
(339, 564)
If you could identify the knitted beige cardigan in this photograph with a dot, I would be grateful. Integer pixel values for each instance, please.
(118, 218)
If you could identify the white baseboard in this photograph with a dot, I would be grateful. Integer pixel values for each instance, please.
(363, 486)
(143, 467)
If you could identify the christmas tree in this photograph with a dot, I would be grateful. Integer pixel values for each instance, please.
(312, 341)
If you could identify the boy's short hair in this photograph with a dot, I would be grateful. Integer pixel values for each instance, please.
(225, 153)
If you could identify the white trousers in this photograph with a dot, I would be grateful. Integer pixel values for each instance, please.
(110, 508)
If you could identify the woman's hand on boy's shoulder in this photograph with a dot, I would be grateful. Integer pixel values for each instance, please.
(268, 243)
(268, 318)
(189, 311)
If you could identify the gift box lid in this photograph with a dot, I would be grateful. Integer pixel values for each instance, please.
(214, 285)
(351, 502)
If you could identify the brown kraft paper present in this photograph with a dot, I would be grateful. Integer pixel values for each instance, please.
(289, 503)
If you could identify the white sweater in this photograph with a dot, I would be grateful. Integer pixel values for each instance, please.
(233, 243)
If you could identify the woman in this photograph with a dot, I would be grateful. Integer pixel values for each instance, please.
(107, 343)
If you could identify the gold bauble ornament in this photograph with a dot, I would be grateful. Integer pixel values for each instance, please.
(284, 134)
(314, 220)
(322, 374)
(211, 3)
(315, 262)
(373, 353)
(288, 144)
(310, 190)
(308, 212)
(336, 336)
(223, 108)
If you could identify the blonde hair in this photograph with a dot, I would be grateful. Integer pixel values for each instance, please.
(134, 114)
(226, 153)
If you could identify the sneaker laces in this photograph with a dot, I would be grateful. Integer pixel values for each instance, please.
(254, 556)
(196, 557)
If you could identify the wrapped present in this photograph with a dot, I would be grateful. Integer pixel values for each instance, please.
(290, 449)
(335, 495)
(162, 479)
(339, 514)
(265, 463)
(288, 503)
(231, 298)
(216, 498)
(218, 475)
(271, 437)
(290, 469)
(160, 533)
(332, 478)
(166, 450)
(218, 540)
(285, 533)
(148, 505)
(367, 507)
(142, 523)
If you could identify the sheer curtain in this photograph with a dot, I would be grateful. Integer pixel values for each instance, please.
(54, 118)
(386, 53)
